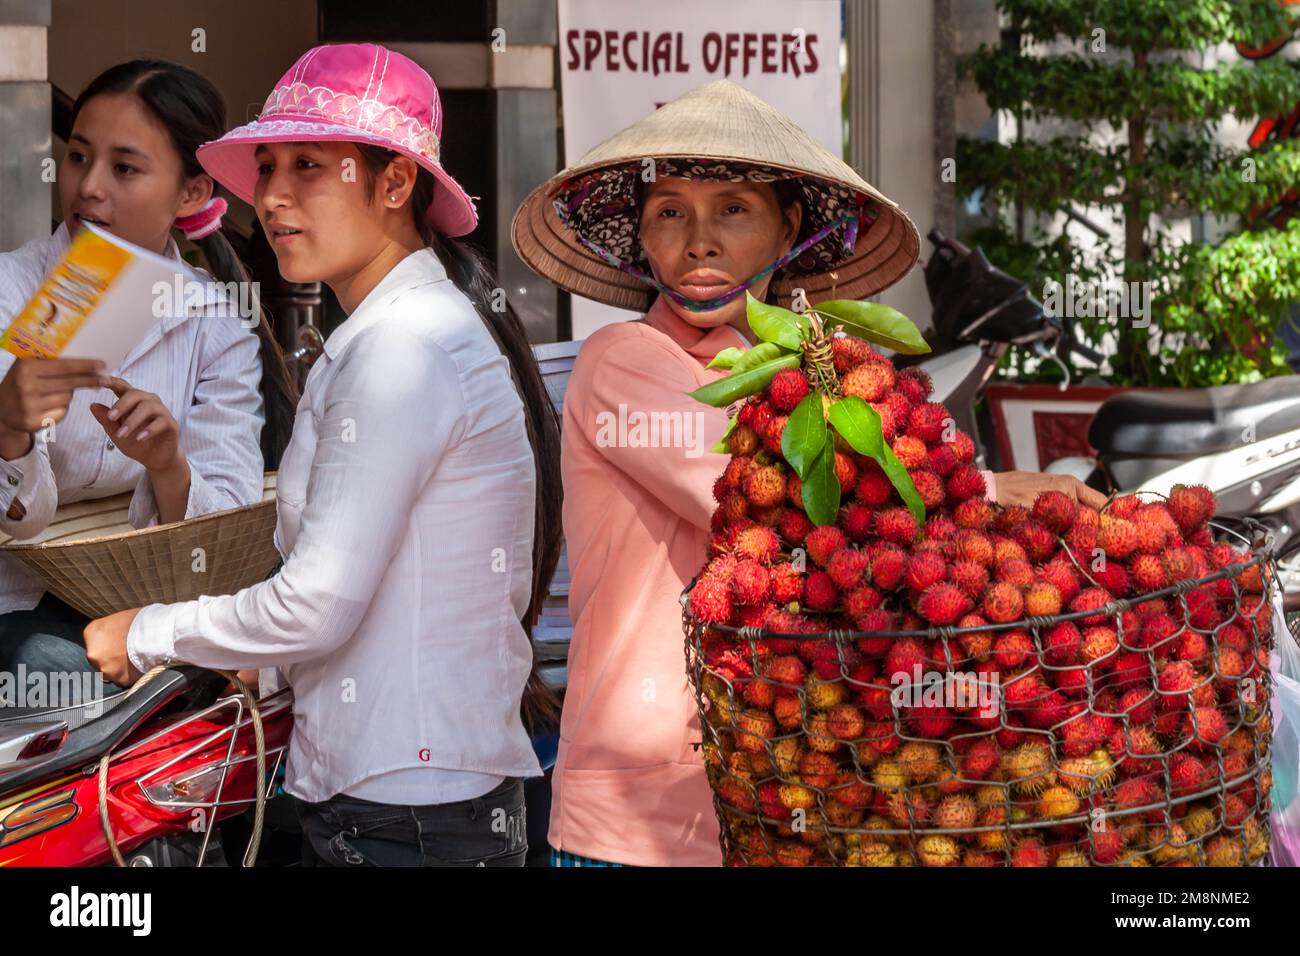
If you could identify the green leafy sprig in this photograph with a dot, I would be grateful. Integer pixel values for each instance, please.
(789, 339)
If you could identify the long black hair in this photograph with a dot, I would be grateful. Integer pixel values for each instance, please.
(475, 277)
(191, 110)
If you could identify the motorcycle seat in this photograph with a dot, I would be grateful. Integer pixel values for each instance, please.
(1187, 423)
(86, 743)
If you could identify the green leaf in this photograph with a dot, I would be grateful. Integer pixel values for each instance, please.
(756, 356)
(726, 358)
(859, 424)
(721, 447)
(876, 323)
(820, 491)
(724, 391)
(804, 437)
(901, 480)
(771, 323)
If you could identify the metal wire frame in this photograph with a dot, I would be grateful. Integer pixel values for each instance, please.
(1249, 830)
(269, 706)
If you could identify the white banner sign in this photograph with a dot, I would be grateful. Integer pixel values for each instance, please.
(622, 59)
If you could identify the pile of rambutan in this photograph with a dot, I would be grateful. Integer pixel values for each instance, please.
(893, 670)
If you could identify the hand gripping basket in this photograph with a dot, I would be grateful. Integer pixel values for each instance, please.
(91, 558)
(826, 758)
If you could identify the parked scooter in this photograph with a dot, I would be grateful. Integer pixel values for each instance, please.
(978, 313)
(1241, 441)
(182, 764)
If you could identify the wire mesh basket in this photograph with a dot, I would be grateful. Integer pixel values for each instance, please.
(1145, 745)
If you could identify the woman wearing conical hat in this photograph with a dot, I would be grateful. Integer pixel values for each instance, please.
(714, 194)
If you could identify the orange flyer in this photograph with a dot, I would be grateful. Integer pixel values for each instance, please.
(71, 292)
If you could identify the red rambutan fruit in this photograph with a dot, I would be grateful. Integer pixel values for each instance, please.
(820, 592)
(868, 381)
(750, 582)
(822, 542)
(966, 482)
(874, 488)
(846, 568)
(929, 421)
(711, 601)
(929, 486)
(848, 353)
(787, 389)
(896, 525)
(1002, 603)
(915, 383)
(970, 576)
(757, 542)
(765, 485)
(943, 603)
(911, 451)
(974, 513)
(923, 569)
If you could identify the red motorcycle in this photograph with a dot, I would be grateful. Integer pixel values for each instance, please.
(167, 765)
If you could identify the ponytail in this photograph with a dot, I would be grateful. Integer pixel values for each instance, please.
(475, 277)
(279, 392)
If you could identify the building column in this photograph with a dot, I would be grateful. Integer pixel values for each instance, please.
(25, 177)
(891, 59)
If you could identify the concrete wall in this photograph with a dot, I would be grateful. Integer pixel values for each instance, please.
(25, 180)
(249, 43)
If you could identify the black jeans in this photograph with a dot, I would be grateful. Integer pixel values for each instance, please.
(348, 831)
(48, 638)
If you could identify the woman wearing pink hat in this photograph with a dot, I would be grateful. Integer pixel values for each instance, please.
(417, 501)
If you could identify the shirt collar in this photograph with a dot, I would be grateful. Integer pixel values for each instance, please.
(62, 241)
(704, 344)
(419, 268)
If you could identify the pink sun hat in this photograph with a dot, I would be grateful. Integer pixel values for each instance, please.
(356, 93)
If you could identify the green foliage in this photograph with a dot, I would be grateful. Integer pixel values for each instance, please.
(785, 339)
(1151, 24)
(1214, 309)
(1085, 87)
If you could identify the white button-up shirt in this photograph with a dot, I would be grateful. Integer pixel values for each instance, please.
(204, 365)
(405, 518)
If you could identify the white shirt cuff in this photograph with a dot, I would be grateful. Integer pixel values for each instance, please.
(152, 637)
(990, 486)
(19, 475)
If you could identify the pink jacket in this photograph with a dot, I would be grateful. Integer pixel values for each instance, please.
(629, 787)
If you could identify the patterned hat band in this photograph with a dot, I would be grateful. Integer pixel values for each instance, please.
(320, 104)
(600, 206)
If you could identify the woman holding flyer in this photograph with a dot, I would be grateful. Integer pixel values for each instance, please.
(418, 501)
(740, 199)
(177, 423)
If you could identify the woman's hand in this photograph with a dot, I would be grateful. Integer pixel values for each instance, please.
(141, 427)
(1022, 487)
(106, 646)
(249, 677)
(36, 392)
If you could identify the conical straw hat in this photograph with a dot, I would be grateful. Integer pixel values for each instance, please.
(91, 558)
(720, 122)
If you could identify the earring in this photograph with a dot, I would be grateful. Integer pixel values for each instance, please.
(392, 199)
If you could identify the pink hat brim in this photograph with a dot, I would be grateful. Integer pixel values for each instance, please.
(230, 161)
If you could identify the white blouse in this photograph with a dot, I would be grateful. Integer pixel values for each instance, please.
(206, 368)
(405, 518)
